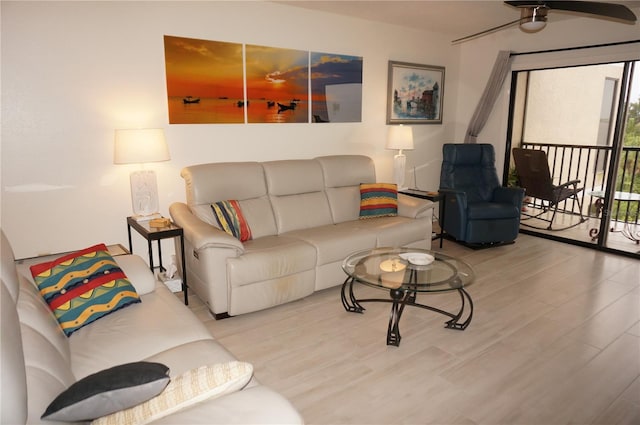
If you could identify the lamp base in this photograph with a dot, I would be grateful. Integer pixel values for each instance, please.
(399, 162)
(144, 193)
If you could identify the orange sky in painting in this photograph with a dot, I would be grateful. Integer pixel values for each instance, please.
(276, 74)
(202, 68)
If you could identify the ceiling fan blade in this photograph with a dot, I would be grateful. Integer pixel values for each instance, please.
(488, 31)
(611, 10)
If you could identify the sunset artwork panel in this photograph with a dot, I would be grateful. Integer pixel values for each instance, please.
(204, 81)
(277, 85)
(336, 88)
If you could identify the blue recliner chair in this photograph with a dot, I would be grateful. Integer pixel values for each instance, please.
(478, 211)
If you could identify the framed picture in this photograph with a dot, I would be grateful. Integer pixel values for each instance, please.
(414, 93)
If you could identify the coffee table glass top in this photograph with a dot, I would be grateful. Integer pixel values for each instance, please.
(389, 268)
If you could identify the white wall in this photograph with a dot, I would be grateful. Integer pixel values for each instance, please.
(72, 72)
(564, 105)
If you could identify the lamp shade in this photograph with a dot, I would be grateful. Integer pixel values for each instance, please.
(400, 137)
(140, 146)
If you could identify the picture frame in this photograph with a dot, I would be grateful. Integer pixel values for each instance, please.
(415, 93)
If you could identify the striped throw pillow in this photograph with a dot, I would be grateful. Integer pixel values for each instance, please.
(230, 219)
(83, 286)
(378, 200)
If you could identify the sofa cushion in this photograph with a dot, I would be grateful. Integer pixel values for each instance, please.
(192, 387)
(161, 322)
(335, 242)
(397, 231)
(292, 177)
(13, 378)
(257, 212)
(342, 177)
(378, 200)
(296, 190)
(347, 170)
(243, 181)
(270, 257)
(209, 183)
(344, 202)
(302, 211)
(8, 272)
(83, 286)
(108, 391)
(229, 216)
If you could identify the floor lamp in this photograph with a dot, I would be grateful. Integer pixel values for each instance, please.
(401, 138)
(139, 147)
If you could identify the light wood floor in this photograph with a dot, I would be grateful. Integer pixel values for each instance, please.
(555, 339)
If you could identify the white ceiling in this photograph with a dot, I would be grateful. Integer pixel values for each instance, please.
(456, 18)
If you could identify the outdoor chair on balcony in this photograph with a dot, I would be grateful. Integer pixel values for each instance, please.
(477, 211)
(532, 168)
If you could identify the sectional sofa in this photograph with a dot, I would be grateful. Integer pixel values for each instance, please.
(304, 217)
(39, 362)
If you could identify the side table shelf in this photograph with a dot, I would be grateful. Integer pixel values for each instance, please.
(157, 234)
(433, 197)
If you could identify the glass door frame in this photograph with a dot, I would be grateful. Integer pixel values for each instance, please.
(619, 119)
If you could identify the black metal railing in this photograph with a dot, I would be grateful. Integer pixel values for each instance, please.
(590, 164)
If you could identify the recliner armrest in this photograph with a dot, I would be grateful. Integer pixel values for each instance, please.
(453, 195)
(200, 234)
(509, 195)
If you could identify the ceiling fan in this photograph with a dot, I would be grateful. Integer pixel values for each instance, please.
(533, 14)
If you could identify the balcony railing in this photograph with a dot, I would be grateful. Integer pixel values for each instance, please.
(590, 164)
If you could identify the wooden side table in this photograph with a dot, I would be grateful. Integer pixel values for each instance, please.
(433, 197)
(157, 234)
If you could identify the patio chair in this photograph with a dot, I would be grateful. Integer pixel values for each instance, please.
(532, 167)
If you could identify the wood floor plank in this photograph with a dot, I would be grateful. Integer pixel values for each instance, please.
(555, 339)
(593, 388)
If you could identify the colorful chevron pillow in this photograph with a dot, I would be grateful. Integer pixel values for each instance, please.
(83, 286)
(230, 219)
(378, 200)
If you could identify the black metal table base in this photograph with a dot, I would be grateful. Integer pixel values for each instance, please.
(402, 297)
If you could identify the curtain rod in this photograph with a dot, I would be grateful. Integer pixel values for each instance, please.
(592, 46)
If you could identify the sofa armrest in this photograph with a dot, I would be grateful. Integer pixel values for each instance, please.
(138, 273)
(412, 207)
(200, 234)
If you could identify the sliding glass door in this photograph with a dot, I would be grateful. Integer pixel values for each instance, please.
(586, 119)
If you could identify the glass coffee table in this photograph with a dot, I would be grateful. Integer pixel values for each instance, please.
(405, 272)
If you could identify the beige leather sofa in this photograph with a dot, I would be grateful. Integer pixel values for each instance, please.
(39, 361)
(304, 218)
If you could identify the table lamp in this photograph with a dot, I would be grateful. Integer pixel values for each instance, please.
(401, 138)
(139, 147)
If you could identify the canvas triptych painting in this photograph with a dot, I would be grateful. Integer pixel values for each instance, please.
(215, 82)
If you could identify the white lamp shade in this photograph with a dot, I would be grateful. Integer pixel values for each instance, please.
(400, 137)
(140, 146)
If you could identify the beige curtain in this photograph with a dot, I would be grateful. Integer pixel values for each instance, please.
(485, 105)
